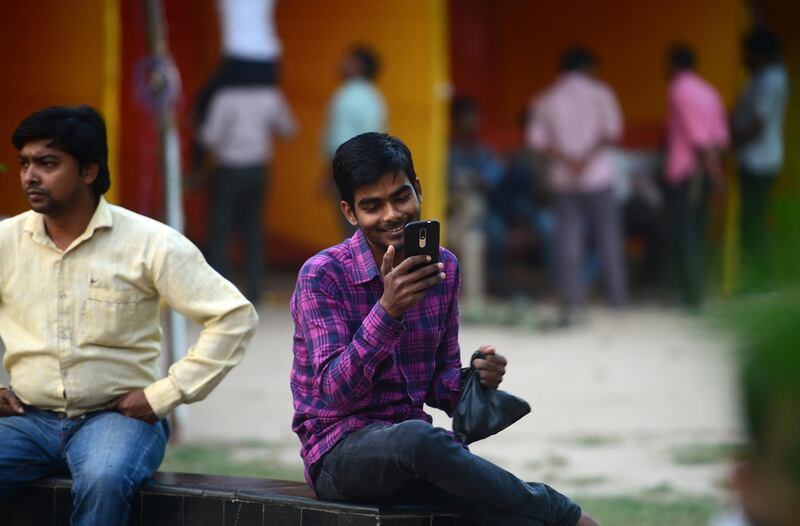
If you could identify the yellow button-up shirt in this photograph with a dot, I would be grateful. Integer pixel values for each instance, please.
(81, 325)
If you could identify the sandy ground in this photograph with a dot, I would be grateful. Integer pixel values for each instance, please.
(614, 401)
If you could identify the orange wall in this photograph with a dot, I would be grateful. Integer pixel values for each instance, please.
(629, 36)
(409, 36)
(45, 60)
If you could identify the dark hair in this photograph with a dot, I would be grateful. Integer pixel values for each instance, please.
(763, 43)
(366, 158)
(79, 131)
(461, 106)
(577, 58)
(681, 57)
(370, 63)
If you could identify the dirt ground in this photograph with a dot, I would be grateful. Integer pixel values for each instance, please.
(627, 403)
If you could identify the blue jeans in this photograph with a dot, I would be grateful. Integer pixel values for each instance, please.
(413, 460)
(108, 455)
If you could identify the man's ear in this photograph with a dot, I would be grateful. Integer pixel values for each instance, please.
(89, 173)
(418, 189)
(349, 213)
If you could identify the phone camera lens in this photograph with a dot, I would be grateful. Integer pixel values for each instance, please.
(422, 233)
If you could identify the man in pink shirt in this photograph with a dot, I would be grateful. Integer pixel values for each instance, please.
(575, 123)
(697, 131)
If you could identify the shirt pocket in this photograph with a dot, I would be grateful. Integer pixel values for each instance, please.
(109, 318)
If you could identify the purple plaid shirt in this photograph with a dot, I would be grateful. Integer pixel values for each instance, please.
(353, 363)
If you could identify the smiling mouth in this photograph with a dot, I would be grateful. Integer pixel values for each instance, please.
(395, 230)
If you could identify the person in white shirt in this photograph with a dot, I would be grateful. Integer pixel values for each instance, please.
(758, 135)
(238, 132)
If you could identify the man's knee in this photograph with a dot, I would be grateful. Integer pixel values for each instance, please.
(103, 479)
(418, 439)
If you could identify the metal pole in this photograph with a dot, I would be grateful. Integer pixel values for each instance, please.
(171, 168)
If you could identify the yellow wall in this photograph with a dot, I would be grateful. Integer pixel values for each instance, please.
(410, 37)
(52, 53)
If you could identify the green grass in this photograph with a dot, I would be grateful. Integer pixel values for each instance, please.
(222, 460)
(650, 511)
(703, 454)
(595, 440)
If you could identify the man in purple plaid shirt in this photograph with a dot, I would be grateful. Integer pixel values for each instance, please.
(374, 342)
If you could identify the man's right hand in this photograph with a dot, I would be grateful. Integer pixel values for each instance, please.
(10, 404)
(401, 289)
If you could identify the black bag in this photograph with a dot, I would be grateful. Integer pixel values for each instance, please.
(483, 412)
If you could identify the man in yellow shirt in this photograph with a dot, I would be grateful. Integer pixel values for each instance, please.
(80, 285)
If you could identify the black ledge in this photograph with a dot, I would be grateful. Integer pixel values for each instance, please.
(184, 499)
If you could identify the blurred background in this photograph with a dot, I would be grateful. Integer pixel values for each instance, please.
(635, 404)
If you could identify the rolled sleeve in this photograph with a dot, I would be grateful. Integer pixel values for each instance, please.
(190, 286)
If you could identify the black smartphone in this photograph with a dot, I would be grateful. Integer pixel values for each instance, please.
(421, 238)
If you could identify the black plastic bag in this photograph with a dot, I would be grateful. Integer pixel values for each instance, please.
(482, 412)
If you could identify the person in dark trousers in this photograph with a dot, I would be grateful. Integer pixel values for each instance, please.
(697, 131)
(373, 342)
(757, 126)
(81, 283)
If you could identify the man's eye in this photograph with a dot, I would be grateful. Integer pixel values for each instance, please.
(369, 209)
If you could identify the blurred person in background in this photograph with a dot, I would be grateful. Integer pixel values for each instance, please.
(697, 131)
(251, 52)
(238, 113)
(357, 107)
(521, 213)
(757, 127)
(766, 476)
(238, 133)
(642, 201)
(576, 122)
(473, 172)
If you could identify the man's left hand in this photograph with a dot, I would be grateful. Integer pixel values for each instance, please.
(490, 369)
(134, 405)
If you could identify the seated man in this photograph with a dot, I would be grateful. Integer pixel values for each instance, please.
(80, 284)
(374, 342)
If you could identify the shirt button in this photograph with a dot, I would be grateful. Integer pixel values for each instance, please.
(62, 295)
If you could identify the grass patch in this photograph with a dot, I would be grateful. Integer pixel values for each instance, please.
(649, 511)
(221, 460)
(702, 454)
(587, 481)
(594, 440)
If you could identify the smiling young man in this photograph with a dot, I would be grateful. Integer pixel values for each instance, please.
(374, 342)
(80, 285)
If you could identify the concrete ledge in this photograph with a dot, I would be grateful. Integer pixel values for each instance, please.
(182, 499)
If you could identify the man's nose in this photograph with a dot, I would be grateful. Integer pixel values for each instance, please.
(391, 213)
(29, 174)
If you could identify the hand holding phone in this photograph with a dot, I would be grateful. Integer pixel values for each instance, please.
(406, 284)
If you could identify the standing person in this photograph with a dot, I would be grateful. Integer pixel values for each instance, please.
(576, 121)
(758, 137)
(374, 342)
(356, 107)
(80, 285)
(696, 133)
(239, 133)
(237, 114)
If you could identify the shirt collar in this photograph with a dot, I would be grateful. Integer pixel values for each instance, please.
(101, 218)
(364, 268)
